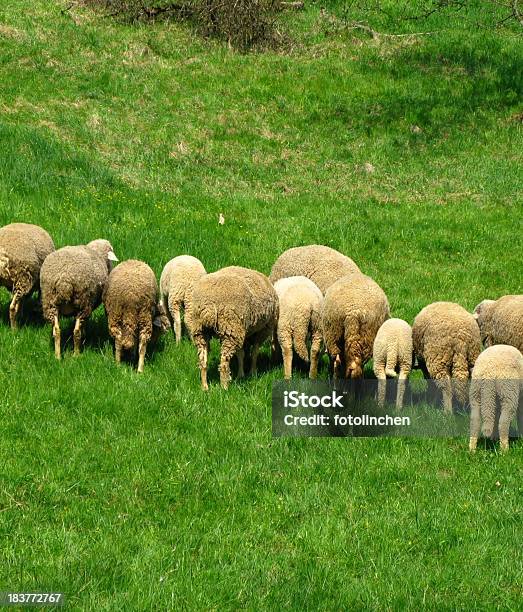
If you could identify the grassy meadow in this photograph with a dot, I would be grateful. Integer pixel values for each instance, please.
(131, 492)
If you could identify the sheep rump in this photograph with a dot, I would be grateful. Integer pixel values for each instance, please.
(240, 307)
(501, 321)
(23, 249)
(392, 356)
(176, 284)
(353, 310)
(300, 302)
(321, 264)
(131, 303)
(447, 343)
(72, 281)
(497, 375)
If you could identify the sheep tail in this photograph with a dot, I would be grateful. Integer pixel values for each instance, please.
(460, 374)
(300, 346)
(64, 288)
(392, 358)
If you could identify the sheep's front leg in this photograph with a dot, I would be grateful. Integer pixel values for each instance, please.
(142, 347)
(240, 356)
(254, 358)
(14, 308)
(77, 336)
(57, 337)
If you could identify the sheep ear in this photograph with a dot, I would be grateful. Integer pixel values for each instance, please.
(111, 256)
(475, 315)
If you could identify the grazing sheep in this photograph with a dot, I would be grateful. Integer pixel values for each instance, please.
(72, 280)
(353, 310)
(176, 283)
(392, 355)
(131, 303)
(321, 264)
(240, 307)
(497, 374)
(447, 343)
(23, 249)
(300, 316)
(501, 321)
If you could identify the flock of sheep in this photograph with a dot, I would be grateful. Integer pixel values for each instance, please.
(314, 296)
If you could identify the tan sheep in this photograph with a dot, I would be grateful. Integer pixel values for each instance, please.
(23, 249)
(176, 283)
(300, 317)
(353, 310)
(501, 321)
(133, 313)
(392, 356)
(497, 374)
(321, 264)
(447, 343)
(72, 281)
(240, 307)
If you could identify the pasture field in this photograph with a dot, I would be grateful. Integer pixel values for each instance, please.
(132, 492)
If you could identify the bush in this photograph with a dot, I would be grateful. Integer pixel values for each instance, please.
(242, 23)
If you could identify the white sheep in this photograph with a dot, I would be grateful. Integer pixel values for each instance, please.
(240, 307)
(353, 310)
(392, 356)
(300, 317)
(497, 374)
(72, 281)
(176, 284)
(321, 264)
(446, 342)
(501, 321)
(23, 249)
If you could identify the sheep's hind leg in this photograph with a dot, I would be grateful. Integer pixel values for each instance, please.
(118, 351)
(14, 309)
(508, 395)
(202, 347)
(77, 336)
(402, 382)
(382, 385)
(315, 353)
(229, 349)
(141, 353)
(287, 361)
(57, 337)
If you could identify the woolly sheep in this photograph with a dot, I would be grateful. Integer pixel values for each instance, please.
(176, 283)
(447, 343)
(353, 310)
(321, 264)
(240, 307)
(133, 313)
(501, 321)
(23, 249)
(72, 280)
(300, 303)
(392, 355)
(497, 374)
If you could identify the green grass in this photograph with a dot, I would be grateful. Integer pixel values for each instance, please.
(142, 492)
